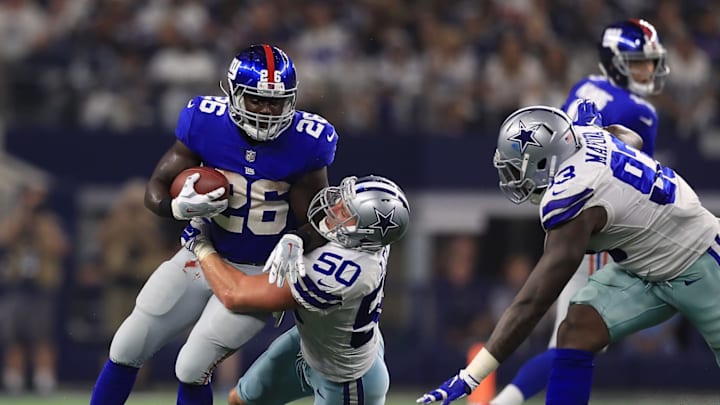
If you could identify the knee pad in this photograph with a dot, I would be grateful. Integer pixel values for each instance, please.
(130, 346)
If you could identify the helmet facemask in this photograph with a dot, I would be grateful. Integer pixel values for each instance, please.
(515, 182)
(622, 62)
(259, 126)
(332, 215)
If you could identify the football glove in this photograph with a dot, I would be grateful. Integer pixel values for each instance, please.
(588, 114)
(195, 238)
(189, 204)
(286, 261)
(456, 387)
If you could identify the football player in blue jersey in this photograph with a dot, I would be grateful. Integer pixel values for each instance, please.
(597, 194)
(275, 159)
(335, 352)
(632, 61)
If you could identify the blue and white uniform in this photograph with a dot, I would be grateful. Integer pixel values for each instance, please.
(664, 243)
(261, 175)
(335, 350)
(617, 106)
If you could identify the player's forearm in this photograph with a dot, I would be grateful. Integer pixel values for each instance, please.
(240, 292)
(157, 198)
(222, 278)
(542, 288)
(515, 325)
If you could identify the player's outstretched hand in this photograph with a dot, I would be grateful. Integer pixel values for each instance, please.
(286, 261)
(189, 204)
(456, 387)
(588, 114)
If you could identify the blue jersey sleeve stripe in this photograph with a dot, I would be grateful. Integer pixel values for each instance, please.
(310, 299)
(310, 285)
(566, 202)
(564, 215)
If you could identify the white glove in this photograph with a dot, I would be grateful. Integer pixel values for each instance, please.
(286, 260)
(195, 238)
(189, 204)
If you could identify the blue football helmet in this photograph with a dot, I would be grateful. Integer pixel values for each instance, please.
(532, 144)
(364, 213)
(627, 41)
(261, 71)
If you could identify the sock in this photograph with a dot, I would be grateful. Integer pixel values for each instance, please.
(44, 382)
(570, 378)
(13, 381)
(510, 395)
(114, 384)
(534, 374)
(191, 394)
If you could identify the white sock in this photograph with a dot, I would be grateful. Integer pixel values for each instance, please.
(44, 382)
(13, 381)
(510, 395)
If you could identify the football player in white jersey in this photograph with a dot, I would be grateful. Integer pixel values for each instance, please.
(632, 60)
(335, 351)
(596, 194)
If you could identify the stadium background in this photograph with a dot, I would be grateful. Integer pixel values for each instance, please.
(90, 90)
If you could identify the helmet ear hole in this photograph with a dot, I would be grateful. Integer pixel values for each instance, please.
(542, 163)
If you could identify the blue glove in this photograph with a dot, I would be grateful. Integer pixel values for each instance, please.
(588, 114)
(458, 386)
(196, 228)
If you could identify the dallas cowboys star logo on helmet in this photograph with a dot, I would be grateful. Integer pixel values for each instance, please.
(384, 221)
(526, 136)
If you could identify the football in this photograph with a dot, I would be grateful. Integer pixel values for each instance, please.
(209, 180)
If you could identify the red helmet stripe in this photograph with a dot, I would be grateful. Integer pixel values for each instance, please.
(270, 62)
(647, 30)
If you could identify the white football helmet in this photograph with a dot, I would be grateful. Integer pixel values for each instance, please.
(532, 143)
(364, 213)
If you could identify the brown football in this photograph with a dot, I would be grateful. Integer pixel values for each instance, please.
(209, 180)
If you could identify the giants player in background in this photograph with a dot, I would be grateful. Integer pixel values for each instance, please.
(632, 61)
(275, 159)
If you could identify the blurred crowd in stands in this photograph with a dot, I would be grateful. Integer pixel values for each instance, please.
(447, 67)
(444, 67)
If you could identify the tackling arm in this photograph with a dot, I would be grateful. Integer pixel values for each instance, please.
(157, 192)
(240, 292)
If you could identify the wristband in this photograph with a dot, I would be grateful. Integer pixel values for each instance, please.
(165, 208)
(482, 365)
(304, 234)
(203, 250)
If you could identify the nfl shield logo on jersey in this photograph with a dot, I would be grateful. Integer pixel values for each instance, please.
(250, 155)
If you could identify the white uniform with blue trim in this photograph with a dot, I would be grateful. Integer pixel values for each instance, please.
(341, 299)
(665, 245)
(335, 352)
(637, 193)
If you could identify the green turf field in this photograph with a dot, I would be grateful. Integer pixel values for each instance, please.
(404, 398)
